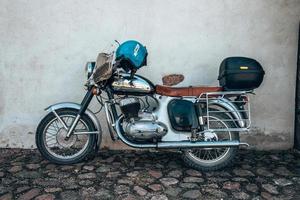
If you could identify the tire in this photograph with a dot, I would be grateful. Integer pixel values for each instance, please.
(226, 161)
(45, 151)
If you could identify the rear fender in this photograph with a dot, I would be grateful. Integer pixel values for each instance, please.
(234, 112)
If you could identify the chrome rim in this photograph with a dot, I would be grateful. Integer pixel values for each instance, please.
(211, 155)
(54, 138)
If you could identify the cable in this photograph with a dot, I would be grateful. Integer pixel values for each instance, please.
(148, 105)
(100, 102)
(141, 100)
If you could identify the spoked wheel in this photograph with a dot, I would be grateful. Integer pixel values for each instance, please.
(210, 159)
(51, 138)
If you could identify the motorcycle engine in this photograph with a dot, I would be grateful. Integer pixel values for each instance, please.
(140, 125)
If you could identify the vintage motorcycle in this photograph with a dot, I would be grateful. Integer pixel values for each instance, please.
(203, 123)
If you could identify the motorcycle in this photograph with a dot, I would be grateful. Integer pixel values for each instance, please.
(203, 123)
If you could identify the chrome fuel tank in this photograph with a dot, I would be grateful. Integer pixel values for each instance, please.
(138, 85)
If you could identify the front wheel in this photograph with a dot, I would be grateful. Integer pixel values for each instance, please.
(211, 159)
(51, 137)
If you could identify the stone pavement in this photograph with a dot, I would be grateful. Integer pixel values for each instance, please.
(148, 175)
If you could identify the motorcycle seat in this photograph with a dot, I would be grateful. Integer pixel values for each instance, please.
(185, 91)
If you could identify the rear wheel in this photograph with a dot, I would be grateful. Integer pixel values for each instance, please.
(51, 141)
(210, 159)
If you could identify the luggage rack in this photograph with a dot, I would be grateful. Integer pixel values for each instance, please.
(230, 103)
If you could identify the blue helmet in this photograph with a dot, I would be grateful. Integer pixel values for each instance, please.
(133, 53)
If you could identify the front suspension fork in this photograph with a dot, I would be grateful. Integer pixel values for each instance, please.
(84, 104)
(111, 116)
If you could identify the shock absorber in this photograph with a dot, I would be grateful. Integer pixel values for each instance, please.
(199, 112)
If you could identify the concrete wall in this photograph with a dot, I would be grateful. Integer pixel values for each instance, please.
(44, 46)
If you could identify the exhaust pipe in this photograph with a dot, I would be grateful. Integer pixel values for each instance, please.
(175, 145)
(188, 144)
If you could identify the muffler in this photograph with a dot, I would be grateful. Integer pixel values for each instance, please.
(200, 144)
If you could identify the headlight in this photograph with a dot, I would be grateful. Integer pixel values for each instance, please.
(89, 68)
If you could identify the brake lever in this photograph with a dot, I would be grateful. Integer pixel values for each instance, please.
(117, 42)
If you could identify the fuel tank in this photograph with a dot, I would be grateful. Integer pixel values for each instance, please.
(137, 85)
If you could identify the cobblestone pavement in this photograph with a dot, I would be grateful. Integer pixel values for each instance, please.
(148, 175)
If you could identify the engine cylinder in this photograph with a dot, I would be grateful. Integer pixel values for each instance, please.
(130, 107)
(138, 124)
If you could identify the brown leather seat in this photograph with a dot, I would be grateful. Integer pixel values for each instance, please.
(185, 91)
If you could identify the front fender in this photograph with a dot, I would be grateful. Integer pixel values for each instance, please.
(232, 108)
(77, 106)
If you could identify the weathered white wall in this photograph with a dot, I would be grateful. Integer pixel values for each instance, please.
(45, 44)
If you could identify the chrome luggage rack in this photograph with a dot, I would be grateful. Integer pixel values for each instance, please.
(235, 104)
